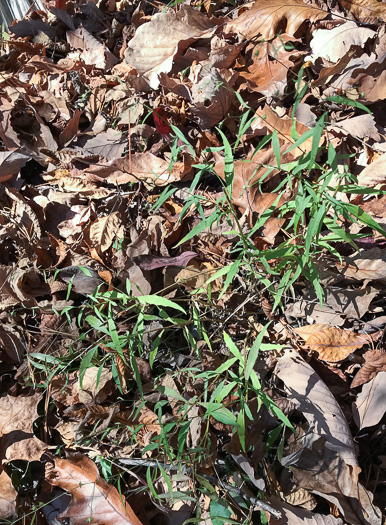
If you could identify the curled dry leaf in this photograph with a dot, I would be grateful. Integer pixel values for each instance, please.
(17, 440)
(265, 16)
(334, 344)
(93, 500)
(370, 368)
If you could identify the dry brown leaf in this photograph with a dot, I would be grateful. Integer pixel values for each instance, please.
(292, 515)
(92, 390)
(93, 500)
(17, 440)
(13, 346)
(104, 230)
(265, 16)
(270, 121)
(7, 497)
(143, 167)
(374, 173)
(370, 406)
(307, 330)
(313, 398)
(155, 44)
(268, 65)
(334, 344)
(369, 369)
(94, 52)
(365, 10)
(333, 44)
(369, 264)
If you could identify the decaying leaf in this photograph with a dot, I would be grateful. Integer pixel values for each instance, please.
(93, 500)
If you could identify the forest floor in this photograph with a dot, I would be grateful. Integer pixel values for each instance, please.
(193, 263)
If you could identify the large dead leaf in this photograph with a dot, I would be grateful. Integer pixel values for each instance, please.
(93, 500)
(143, 167)
(359, 127)
(323, 459)
(334, 344)
(11, 162)
(369, 264)
(212, 96)
(267, 66)
(315, 401)
(374, 173)
(17, 440)
(293, 515)
(268, 121)
(321, 470)
(156, 43)
(333, 44)
(370, 406)
(339, 304)
(265, 17)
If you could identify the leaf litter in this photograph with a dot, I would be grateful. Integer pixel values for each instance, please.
(192, 270)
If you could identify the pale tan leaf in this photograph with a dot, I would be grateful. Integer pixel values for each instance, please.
(358, 127)
(267, 66)
(369, 264)
(94, 52)
(265, 16)
(315, 401)
(374, 173)
(155, 44)
(292, 515)
(93, 500)
(24, 216)
(370, 406)
(18, 413)
(333, 44)
(334, 344)
(17, 441)
(104, 230)
(93, 391)
(13, 346)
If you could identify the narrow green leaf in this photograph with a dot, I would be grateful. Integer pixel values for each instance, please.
(157, 300)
